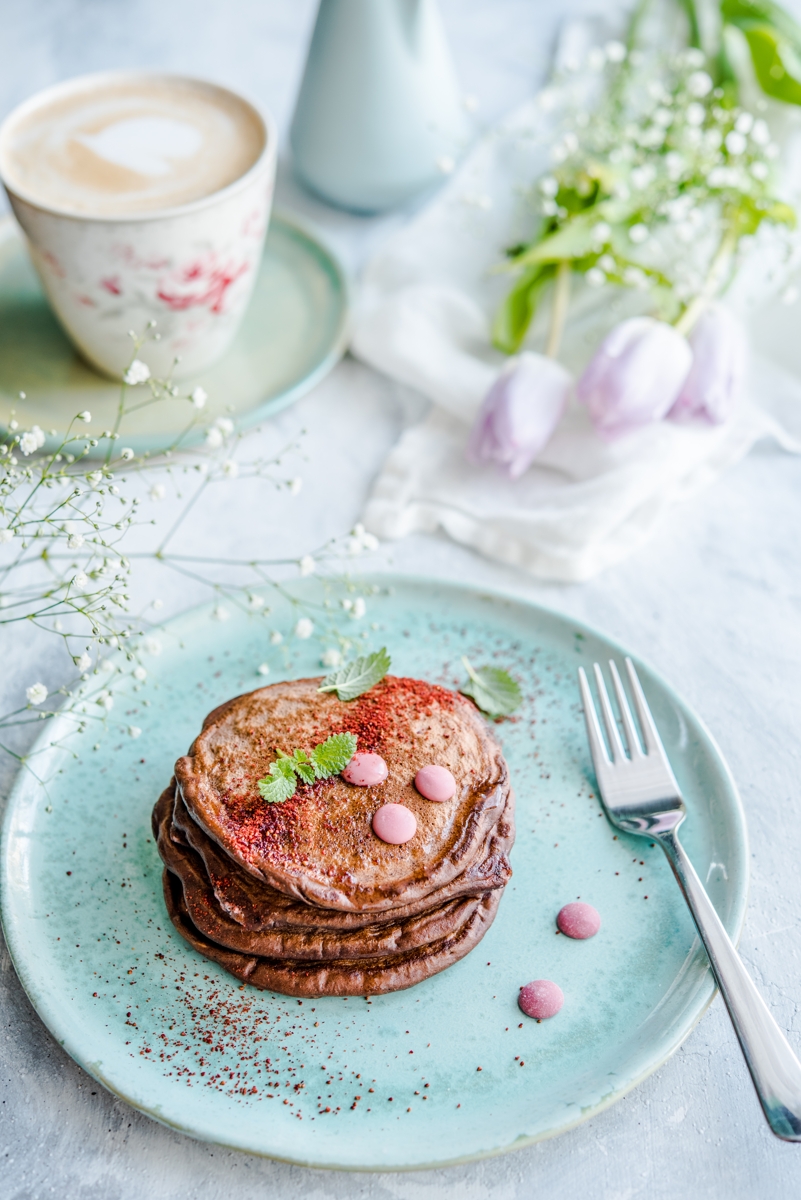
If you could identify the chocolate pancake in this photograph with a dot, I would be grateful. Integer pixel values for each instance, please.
(357, 977)
(253, 905)
(391, 933)
(318, 846)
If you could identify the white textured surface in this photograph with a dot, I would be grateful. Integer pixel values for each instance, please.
(714, 602)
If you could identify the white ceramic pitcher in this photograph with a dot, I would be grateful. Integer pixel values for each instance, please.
(379, 113)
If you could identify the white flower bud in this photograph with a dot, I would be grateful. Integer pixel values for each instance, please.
(36, 694)
(304, 628)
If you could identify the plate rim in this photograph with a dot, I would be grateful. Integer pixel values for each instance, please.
(263, 409)
(667, 1047)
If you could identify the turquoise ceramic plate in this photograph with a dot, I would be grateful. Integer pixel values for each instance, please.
(393, 1082)
(293, 333)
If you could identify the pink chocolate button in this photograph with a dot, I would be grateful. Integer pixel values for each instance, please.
(366, 770)
(394, 823)
(435, 783)
(540, 999)
(579, 920)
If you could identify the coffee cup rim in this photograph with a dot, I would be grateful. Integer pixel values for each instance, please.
(68, 86)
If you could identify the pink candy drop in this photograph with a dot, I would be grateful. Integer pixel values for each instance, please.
(540, 999)
(394, 823)
(579, 920)
(435, 783)
(366, 770)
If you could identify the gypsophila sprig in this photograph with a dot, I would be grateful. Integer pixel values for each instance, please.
(358, 677)
(67, 506)
(326, 759)
(653, 184)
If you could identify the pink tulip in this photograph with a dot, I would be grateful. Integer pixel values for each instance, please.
(520, 412)
(635, 376)
(715, 382)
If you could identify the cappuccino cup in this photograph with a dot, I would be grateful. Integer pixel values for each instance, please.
(144, 197)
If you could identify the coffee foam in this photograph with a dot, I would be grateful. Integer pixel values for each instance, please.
(130, 146)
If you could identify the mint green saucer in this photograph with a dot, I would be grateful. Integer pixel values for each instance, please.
(294, 332)
(392, 1083)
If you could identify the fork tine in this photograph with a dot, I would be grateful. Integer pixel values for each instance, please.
(652, 740)
(632, 738)
(600, 758)
(612, 733)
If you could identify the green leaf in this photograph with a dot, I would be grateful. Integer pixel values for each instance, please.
(333, 755)
(492, 689)
(281, 783)
(358, 677)
(515, 315)
(776, 63)
(761, 12)
(774, 39)
(303, 766)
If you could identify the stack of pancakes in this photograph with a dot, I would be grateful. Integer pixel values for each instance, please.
(302, 897)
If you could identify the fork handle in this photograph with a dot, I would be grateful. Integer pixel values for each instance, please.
(774, 1068)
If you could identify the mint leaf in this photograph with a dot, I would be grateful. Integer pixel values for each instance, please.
(281, 783)
(333, 755)
(357, 677)
(303, 766)
(492, 690)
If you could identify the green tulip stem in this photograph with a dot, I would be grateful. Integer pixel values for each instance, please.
(712, 283)
(561, 299)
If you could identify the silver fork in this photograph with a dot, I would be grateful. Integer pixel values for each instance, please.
(640, 795)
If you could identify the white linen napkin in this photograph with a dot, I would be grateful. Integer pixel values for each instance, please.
(425, 308)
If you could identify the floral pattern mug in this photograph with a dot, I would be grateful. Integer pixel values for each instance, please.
(190, 269)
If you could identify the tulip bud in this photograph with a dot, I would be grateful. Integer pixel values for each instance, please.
(520, 412)
(635, 376)
(715, 382)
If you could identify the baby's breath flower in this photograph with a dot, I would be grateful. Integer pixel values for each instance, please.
(140, 674)
(199, 397)
(294, 485)
(220, 613)
(152, 645)
(75, 541)
(639, 233)
(307, 565)
(82, 661)
(6, 535)
(138, 372)
(615, 51)
(225, 426)
(695, 114)
(32, 440)
(264, 669)
(214, 438)
(699, 84)
(549, 186)
(36, 694)
(359, 608)
(601, 233)
(735, 142)
(134, 731)
(84, 416)
(331, 657)
(256, 602)
(105, 700)
(595, 277)
(80, 580)
(304, 628)
(126, 453)
(276, 638)
(759, 170)
(760, 132)
(230, 468)
(157, 492)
